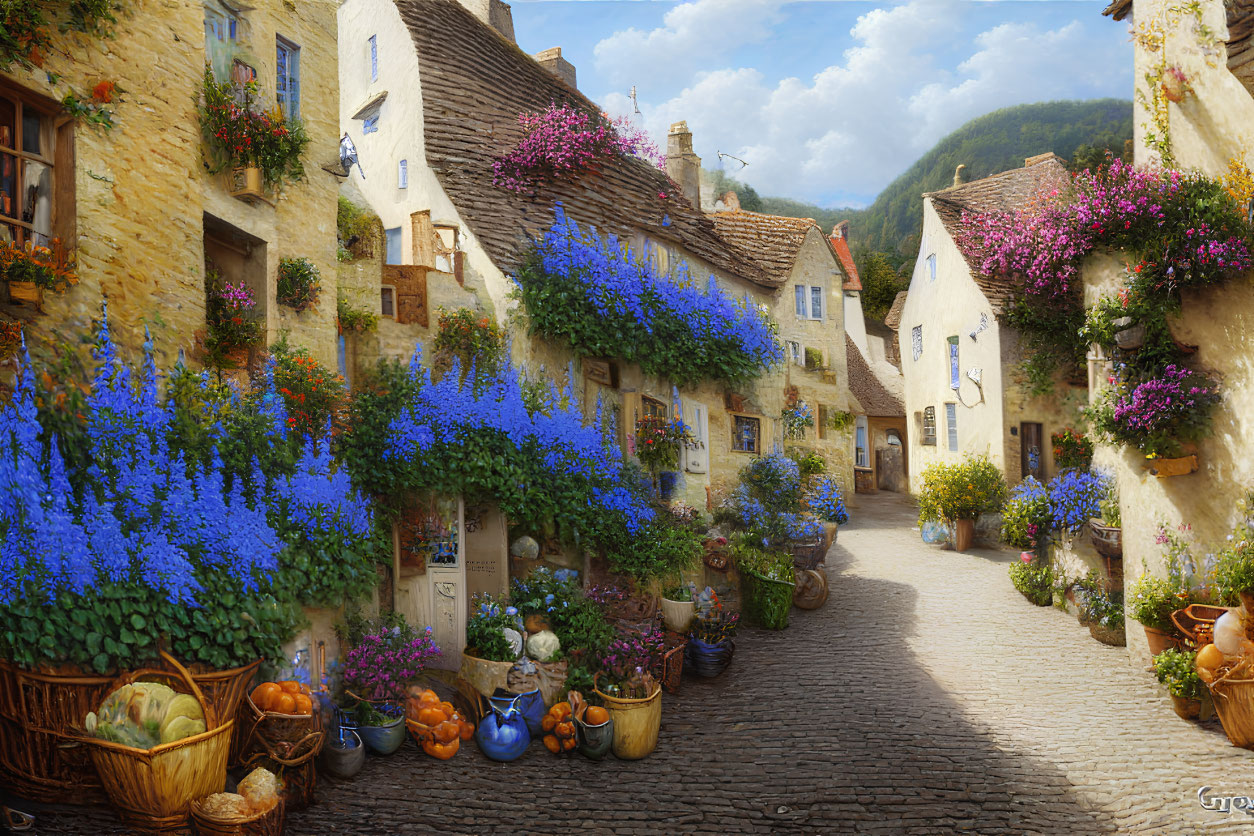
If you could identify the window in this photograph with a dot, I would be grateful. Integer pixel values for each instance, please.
(809, 302)
(862, 455)
(746, 434)
(402, 174)
(242, 72)
(951, 421)
(953, 364)
(696, 453)
(221, 25)
(287, 84)
(393, 237)
(892, 437)
(929, 426)
(371, 124)
(916, 342)
(653, 408)
(27, 153)
(794, 353)
(931, 267)
(374, 58)
(388, 301)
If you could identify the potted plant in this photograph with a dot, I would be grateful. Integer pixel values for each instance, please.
(1176, 669)
(1101, 610)
(823, 499)
(1106, 530)
(1151, 602)
(1026, 518)
(29, 270)
(767, 582)
(711, 638)
(657, 442)
(262, 148)
(232, 321)
(1234, 568)
(1072, 450)
(1034, 581)
(678, 608)
(796, 418)
(959, 493)
(631, 695)
(377, 671)
(494, 641)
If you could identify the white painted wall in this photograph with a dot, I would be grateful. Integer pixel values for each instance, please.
(855, 322)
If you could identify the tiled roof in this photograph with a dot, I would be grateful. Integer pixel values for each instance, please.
(852, 280)
(876, 400)
(1118, 9)
(475, 83)
(1002, 192)
(772, 241)
(893, 318)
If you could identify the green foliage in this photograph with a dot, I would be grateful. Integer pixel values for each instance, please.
(881, 283)
(24, 29)
(663, 548)
(1026, 516)
(1177, 669)
(814, 358)
(1099, 605)
(356, 229)
(1152, 602)
(1048, 332)
(809, 462)
(238, 134)
(721, 184)
(473, 337)
(484, 631)
(766, 583)
(838, 420)
(377, 401)
(961, 491)
(354, 320)
(1034, 582)
(1091, 157)
(1234, 569)
(299, 283)
(749, 556)
(313, 394)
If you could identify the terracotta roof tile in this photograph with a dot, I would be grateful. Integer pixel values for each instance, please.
(475, 83)
(852, 280)
(876, 400)
(772, 241)
(1002, 192)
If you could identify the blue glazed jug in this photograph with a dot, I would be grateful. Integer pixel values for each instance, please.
(502, 735)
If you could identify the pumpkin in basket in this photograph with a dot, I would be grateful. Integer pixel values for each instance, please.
(560, 731)
(289, 697)
(436, 725)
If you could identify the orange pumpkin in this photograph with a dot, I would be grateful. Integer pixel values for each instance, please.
(552, 744)
(428, 697)
(561, 711)
(263, 695)
(291, 686)
(284, 703)
(596, 715)
(447, 732)
(304, 705)
(431, 716)
(568, 744)
(565, 730)
(466, 730)
(447, 708)
(548, 723)
(443, 751)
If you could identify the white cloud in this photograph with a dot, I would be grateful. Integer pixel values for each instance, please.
(844, 134)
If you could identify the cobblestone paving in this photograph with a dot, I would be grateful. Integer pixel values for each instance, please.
(926, 697)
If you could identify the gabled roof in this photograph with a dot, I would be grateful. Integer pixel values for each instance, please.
(852, 280)
(475, 83)
(1002, 192)
(876, 400)
(772, 241)
(893, 319)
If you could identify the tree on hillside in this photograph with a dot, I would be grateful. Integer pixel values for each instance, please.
(881, 282)
(722, 184)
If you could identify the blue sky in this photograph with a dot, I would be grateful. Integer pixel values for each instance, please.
(828, 100)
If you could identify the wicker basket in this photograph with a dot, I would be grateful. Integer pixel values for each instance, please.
(225, 690)
(807, 555)
(1234, 703)
(1107, 539)
(1196, 623)
(672, 668)
(269, 823)
(284, 736)
(153, 788)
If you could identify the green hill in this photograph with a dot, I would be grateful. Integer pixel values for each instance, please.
(996, 142)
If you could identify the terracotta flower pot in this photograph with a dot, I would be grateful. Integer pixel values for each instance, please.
(964, 534)
(1186, 708)
(1160, 641)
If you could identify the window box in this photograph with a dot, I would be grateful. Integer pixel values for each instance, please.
(248, 185)
(26, 292)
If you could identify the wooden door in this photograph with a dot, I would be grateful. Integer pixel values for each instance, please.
(1031, 451)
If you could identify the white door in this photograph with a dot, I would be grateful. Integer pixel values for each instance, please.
(697, 454)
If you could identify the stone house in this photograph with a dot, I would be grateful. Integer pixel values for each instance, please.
(880, 432)
(1205, 131)
(961, 392)
(135, 205)
(431, 92)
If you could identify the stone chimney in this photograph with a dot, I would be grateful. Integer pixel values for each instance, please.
(495, 13)
(730, 201)
(960, 175)
(552, 60)
(682, 164)
(841, 230)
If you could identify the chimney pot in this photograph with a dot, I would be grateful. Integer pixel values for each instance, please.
(960, 174)
(495, 13)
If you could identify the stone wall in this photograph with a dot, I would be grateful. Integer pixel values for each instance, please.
(142, 191)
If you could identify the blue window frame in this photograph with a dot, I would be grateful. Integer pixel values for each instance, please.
(953, 363)
(374, 58)
(370, 124)
(801, 300)
(287, 83)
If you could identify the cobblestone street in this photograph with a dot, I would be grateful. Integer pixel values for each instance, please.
(926, 697)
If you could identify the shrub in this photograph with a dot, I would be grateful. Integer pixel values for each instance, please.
(768, 502)
(658, 442)
(384, 662)
(823, 499)
(1152, 602)
(1036, 583)
(797, 418)
(485, 631)
(1025, 518)
(472, 337)
(356, 230)
(1234, 569)
(1097, 604)
(1072, 450)
(1177, 669)
(230, 315)
(354, 320)
(313, 395)
(1074, 498)
(299, 283)
(961, 491)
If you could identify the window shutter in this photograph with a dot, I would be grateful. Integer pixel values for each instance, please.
(697, 455)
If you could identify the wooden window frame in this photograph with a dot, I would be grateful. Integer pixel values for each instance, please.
(390, 289)
(757, 419)
(57, 136)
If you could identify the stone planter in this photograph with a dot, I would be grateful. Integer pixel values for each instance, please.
(344, 758)
(1130, 339)
(386, 739)
(678, 615)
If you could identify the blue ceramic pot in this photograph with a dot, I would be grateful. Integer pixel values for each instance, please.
(666, 482)
(708, 659)
(530, 704)
(383, 740)
(345, 755)
(595, 742)
(502, 735)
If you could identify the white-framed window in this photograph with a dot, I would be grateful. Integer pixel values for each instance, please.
(809, 301)
(951, 421)
(696, 453)
(931, 267)
(862, 452)
(374, 58)
(402, 174)
(287, 82)
(393, 239)
(929, 427)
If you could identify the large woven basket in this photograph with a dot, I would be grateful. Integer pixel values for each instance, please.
(1234, 703)
(269, 823)
(152, 789)
(291, 739)
(1197, 623)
